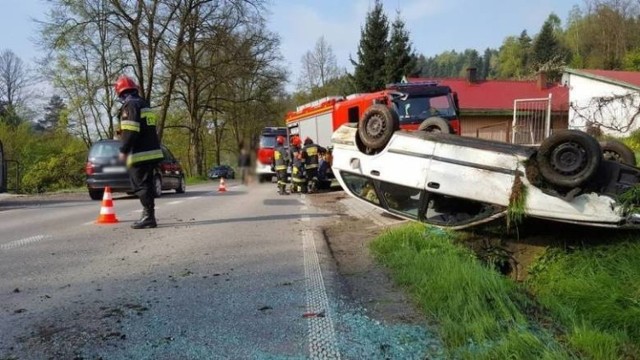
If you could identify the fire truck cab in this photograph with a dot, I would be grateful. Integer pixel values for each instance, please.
(410, 106)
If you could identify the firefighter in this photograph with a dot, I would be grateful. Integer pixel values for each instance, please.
(298, 181)
(139, 147)
(279, 164)
(310, 155)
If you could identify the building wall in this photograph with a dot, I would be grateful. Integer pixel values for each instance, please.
(607, 106)
(498, 127)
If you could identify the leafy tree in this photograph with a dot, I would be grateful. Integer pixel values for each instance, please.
(401, 61)
(369, 72)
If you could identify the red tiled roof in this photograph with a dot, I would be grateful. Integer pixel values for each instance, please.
(629, 77)
(498, 95)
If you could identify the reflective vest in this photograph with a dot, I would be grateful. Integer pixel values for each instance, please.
(139, 137)
(310, 155)
(280, 158)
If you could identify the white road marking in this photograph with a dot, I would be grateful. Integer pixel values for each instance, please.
(194, 197)
(322, 337)
(304, 208)
(306, 218)
(175, 202)
(23, 242)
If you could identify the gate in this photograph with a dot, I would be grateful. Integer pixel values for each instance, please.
(531, 121)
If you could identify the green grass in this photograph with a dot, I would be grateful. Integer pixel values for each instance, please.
(480, 314)
(595, 293)
(579, 302)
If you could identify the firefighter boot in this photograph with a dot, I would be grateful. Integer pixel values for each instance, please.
(282, 190)
(147, 220)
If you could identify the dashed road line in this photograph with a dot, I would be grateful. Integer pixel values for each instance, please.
(24, 242)
(175, 202)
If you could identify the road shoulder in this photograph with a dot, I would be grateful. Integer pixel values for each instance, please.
(367, 282)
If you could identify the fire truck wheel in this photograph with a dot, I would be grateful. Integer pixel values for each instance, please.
(435, 124)
(377, 125)
(569, 158)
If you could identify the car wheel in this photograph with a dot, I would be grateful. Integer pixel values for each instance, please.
(157, 186)
(96, 194)
(569, 158)
(182, 187)
(617, 151)
(377, 125)
(435, 124)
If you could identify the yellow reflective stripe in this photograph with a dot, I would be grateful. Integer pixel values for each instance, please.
(312, 151)
(150, 115)
(146, 155)
(311, 166)
(130, 125)
(281, 167)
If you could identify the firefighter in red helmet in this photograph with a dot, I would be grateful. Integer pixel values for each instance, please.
(139, 146)
(310, 155)
(298, 182)
(280, 163)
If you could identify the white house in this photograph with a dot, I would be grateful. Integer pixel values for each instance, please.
(603, 99)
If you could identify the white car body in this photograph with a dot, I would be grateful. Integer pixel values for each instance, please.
(468, 169)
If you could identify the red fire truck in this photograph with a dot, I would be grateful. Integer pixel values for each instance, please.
(424, 106)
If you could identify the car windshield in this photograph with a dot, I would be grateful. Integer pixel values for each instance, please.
(269, 141)
(422, 107)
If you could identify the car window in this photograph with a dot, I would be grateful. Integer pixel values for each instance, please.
(400, 198)
(105, 149)
(453, 211)
(167, 154)
(361, 187)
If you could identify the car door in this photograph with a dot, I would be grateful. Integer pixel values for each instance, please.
(473, 169)
(405, 161)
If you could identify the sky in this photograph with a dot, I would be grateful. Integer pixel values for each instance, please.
(434, 25)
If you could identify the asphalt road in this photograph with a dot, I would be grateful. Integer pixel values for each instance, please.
(242, 274)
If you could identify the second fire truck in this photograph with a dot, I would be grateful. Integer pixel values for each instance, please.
(424, 106)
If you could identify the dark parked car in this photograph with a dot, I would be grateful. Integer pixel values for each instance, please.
(103, 169)
(222, 171)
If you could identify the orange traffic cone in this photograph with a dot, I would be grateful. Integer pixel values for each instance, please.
(107, 214)
(222, 187)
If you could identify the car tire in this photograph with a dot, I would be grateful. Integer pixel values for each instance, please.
(435, 124)
(377, 125)
(182, 186)
(569, 158)
(617, 151)
(157, 186)
(96, 194)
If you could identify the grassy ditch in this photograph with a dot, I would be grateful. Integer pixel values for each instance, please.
(585, 303)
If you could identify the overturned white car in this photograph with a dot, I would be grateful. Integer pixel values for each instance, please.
(457, 182)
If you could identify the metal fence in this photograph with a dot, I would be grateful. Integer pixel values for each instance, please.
(531, 121)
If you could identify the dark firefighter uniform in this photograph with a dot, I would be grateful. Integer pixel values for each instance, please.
(139, 140)
(298, 181)
(280, 164)
(310, 155)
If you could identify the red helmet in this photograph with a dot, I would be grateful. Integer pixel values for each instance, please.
(295, 141)
(125, 83)
(280, 140)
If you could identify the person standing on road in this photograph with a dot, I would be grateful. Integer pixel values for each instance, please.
(310, 154)
(244, 163)
(279, 164)
(298, 181)
(139, 147)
